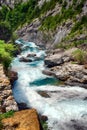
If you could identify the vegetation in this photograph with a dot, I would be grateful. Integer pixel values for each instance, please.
(5, 115)
(44, 125)
(6, 53)
(5, 31)
(80, 56)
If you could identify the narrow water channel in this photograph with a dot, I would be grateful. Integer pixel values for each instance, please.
(66, 107)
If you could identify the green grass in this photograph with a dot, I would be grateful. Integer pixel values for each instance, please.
(5, 115)
(80, 56)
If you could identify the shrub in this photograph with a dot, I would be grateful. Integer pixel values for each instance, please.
(80, 56)
(5, 31)
(6, 53)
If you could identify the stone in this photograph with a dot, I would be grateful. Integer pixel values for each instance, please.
(7, 101)
(48, 72)
(43, 118)
(44, 94)
(23, 59)
(22, 120)
(13, 76)
(58, 57)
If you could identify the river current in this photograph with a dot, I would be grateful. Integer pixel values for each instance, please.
(66, 106)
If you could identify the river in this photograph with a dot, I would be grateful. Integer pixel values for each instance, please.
(65, 107)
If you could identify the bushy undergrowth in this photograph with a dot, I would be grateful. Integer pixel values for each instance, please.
(6, 53)
(5, 31)
(80, 56)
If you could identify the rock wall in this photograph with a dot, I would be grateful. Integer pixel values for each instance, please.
(7, 101)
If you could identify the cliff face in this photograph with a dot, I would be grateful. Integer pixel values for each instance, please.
(59, 24)
(7, 101)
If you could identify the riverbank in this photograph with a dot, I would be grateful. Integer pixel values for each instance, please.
(7, 101)
(62, 64)
(21, 120)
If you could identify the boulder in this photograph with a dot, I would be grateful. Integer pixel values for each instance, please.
(12, 76)
(71, 74)
(44, 94)
(51, 63)
(22, 120)
(58, 57)
(23, 59)
(43, 118)
(48, 72)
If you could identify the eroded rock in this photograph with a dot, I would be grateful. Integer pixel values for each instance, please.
(7, 101)
(22, 120)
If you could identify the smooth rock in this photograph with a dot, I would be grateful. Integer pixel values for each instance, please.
(22, 120)
(48, 72)
(44, 94)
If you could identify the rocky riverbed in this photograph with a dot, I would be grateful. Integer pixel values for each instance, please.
(61, 64)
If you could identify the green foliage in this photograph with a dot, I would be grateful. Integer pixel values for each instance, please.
(6, 53)
(64, 4)
(79, 25)
(5, 115)
(51, 22)
(3, 13)
(44, 125)
(48, 5)
(80, 6)
(80, 56)
(5, 31)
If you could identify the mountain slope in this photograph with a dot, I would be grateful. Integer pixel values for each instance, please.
(48, 22)
(59, 21)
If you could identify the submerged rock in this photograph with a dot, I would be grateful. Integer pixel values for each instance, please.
(22, 120)
(44, 94)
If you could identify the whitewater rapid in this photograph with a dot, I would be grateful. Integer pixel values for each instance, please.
(64, 107)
